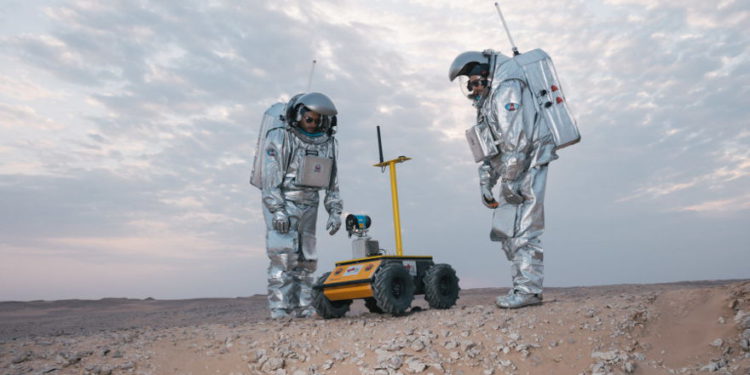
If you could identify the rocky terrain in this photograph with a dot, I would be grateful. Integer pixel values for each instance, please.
(679, 328)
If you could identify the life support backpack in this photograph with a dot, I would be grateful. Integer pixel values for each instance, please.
(273, 118)
(544, 84)
(538, 73)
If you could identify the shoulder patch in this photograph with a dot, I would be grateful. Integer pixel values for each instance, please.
(270, 152)
(512, 106)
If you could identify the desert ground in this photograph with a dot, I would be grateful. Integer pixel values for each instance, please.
(676, 328)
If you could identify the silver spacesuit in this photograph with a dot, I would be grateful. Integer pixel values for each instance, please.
(296, 164)
(523, 147)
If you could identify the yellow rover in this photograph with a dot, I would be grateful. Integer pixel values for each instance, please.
(387, 282)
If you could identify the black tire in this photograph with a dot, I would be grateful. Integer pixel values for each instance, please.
(441, 286)
(326, 308)
(393, 289)
(372, 305)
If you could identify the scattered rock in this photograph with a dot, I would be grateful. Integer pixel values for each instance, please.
(628, 367)
(416, 366)
(23, 357)
(68, 359)
(328, 364)
(49, 369)
(417, 346)
(738, 318)
(711, 367)
(99, 369)
(127, 366)
(717, 343)
(606, 356)
(395, 362)
(274, 364)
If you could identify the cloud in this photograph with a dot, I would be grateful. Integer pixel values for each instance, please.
(24, 89)
(723, 205)
(12, 116)
(127, 129)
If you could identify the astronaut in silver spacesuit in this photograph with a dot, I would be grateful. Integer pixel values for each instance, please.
(524, 147)
(299, 160)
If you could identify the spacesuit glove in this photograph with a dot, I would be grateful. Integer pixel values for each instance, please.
(280, 221)
(487, 198)
(510, 194)
(334, 223)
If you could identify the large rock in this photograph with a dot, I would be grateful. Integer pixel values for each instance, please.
(606, 356)
(274, 364)
(22, 357)
(416, 366)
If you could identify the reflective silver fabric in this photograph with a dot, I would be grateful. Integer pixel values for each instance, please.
(284, 150)
(292, 255)
(543, 81)
(271, 119)
(526, 148)
(514, 300)
(293, 259)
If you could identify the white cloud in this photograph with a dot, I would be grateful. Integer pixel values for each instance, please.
(24, 116)
(140, 118)
(22, 88)
(740, 203)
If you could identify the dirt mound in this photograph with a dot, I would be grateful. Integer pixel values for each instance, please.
(682, 328)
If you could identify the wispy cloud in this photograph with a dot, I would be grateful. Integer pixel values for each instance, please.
(740, 203)
(127, 128)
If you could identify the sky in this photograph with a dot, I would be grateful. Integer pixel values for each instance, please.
(128, 128)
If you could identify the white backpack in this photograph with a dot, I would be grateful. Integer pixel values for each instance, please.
(551, 103)
(535, 68)
(272, 119)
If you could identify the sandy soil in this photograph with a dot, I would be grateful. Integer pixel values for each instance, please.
(678, 328)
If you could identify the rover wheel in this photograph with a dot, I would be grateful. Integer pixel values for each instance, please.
(323, 306)
(441, 286)
(372, 305)
(393, 289)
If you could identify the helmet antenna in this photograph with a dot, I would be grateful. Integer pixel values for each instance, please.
(505, 25)
(309, 79)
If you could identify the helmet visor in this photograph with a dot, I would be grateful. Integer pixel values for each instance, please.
(472, 86)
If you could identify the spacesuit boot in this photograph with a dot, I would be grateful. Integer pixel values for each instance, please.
(527, 270)
(279, 314)
(515, 299)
